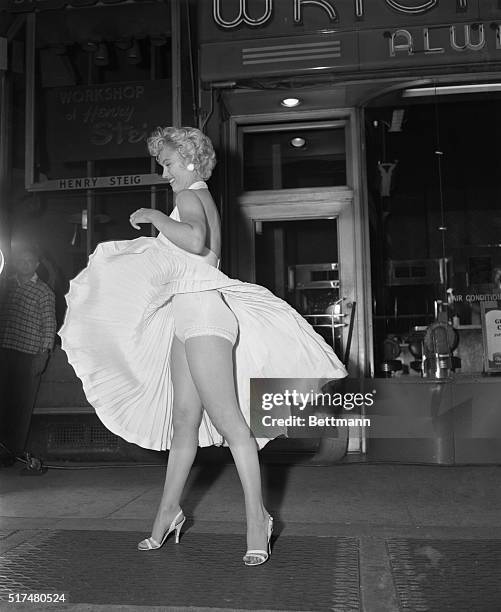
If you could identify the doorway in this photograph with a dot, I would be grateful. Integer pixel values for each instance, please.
(299, 228)
(295, 223)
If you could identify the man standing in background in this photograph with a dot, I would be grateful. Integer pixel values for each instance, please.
(27, 333)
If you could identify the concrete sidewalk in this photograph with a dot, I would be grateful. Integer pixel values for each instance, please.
(345, 504)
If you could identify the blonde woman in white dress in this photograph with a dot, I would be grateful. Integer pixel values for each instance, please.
(175, 341)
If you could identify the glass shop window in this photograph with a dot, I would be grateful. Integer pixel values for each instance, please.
(293, 157)
(103, 84)
(435, 226)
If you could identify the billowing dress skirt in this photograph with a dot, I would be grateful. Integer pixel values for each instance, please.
(119, 329)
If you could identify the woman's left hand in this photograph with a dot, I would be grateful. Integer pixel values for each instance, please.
(143, 215)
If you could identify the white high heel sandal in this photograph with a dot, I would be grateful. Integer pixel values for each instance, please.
(151, 544)
(260, 556)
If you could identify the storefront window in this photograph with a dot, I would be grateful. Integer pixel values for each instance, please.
(435, 223)
(294, 157)
(104, 81)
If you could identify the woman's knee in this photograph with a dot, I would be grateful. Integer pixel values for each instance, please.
(239, 439)
(185, 432)
(186, 420)
(235, 433)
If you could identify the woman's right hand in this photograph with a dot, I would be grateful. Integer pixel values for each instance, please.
(145, 215)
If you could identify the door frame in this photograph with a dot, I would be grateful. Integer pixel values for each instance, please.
(348, 204)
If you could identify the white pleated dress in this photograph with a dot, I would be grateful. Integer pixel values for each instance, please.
(119, 329)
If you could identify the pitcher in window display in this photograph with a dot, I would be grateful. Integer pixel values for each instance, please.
(27, 333)
(166, 344)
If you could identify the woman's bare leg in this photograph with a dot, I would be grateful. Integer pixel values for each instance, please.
(187, 415)
(210, 360)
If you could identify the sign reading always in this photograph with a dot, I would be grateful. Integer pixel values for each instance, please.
(272, 37)
(104, 121)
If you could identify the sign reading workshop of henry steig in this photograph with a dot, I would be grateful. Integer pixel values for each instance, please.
(106, 121)
(255, 38)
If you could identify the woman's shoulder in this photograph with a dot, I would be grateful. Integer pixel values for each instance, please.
(191, 200)
(188, 197)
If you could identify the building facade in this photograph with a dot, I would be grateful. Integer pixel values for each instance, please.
(357, 177)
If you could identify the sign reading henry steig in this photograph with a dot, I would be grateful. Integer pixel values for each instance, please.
(104, 121)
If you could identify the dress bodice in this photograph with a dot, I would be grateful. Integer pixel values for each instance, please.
(207, 255)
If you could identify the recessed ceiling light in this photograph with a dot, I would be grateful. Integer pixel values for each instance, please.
(290, 102)
(297, 142)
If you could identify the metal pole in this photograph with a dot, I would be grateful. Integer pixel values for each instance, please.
(29, 160)
(176, 62)
(90, 199)
(6, 102)
(5, 159)
(89, 193)
(153, 189)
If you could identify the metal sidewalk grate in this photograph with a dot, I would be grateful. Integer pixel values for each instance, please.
(205, 570)
(447, 575)
(80, 435)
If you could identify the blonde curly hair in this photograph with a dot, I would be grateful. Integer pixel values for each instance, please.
(191, 144)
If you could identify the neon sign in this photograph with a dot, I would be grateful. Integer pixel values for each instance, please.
(236, 12)
(403, 41)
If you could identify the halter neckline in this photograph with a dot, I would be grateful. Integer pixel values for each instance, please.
(198, 185)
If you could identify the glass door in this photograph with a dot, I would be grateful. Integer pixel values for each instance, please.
(298, 260)
(299, 230)
(295, 225)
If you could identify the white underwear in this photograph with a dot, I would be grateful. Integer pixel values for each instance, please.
(203, 313)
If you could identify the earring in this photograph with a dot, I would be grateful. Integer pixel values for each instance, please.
(190, 167)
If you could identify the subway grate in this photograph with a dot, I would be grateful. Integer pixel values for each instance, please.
(82, 436)
(204, 570)
(446, 575)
